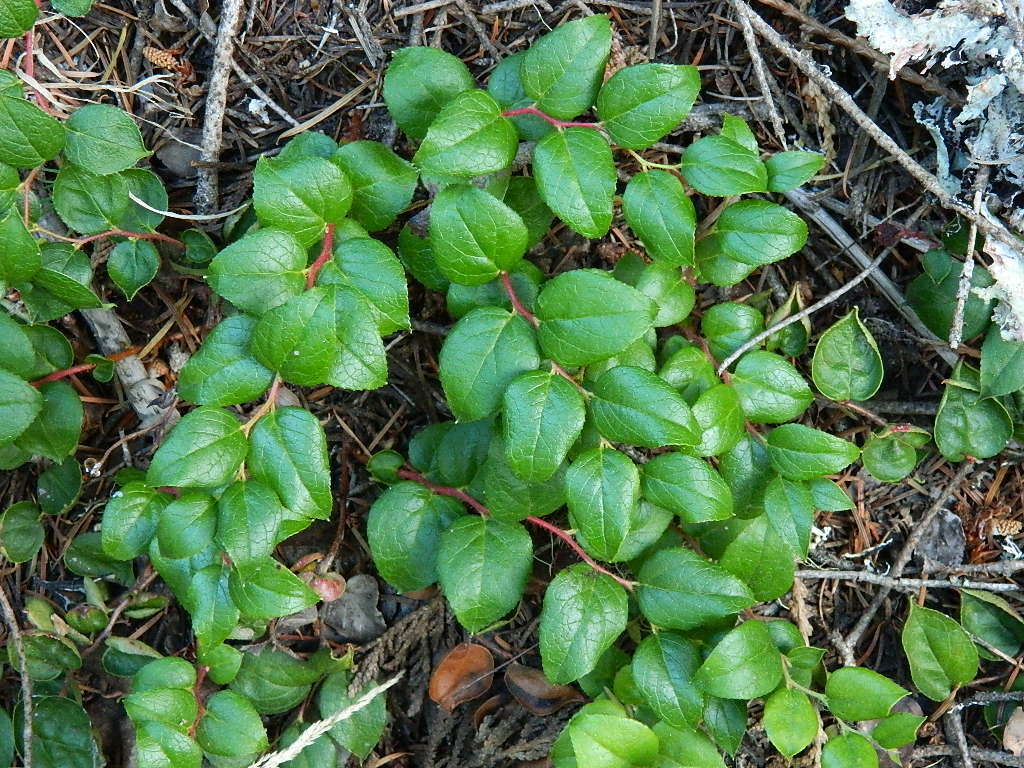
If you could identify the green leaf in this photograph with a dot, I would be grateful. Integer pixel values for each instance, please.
(689, 371)
(892, 453)
(28, 136)
(414, 100)
(61, 285)
(505, 84)
(322, 752)
(482, 565)
(737, 129)
(683, 747)
(404, 530)
(745, 664)
(641, 103)
(756, 232)
(856, 693)
(850, 750)
(359, 733)
(17, 17)
(846, 363)
(897, 730)
(688, 487)
(288, 452)
(59, 486)
(718, 166)
(788, 170)
(968, 424)
(103, 139)
(249, 518)
(584, 612)
(659, 211)
(586, 316)
(56, 430)
(1002, 364)
(992, 619)
(10, 183)
(663, 668)
(562, 71)
(48, 656)
(223, 371)
(160, 746)
(602, 490)
(20, 403)
(481, 356)
(511, 498)
(174, 707)
(576, 178)
(260, 271)
(759, 558)
(941, 654)
(728, 326)
(463, 450)
(828, 496)
(274, 681)
(418, 258)
(523, 197)
(790, 720)
(368, 267)
(746, 470)
(324, 336)
(267, 590)
(130, 520)
(186, 526)
(932, 295)
(543, 415)
(132, 265)
(715, 266)
(199, 248)
(231, 727)
(19, 251)
(300, 196)
(719, 414)
(468, 138)
(21, 533)
(631, 405)
(726, 721)
(382, 182)
(62, 735)
(681, 590)
(204, 450)
(209, 601)
(148, 187)
(790, 511)
(18, 357)
(801, 453)
(670, 290)
(611, 741)
(85, 557)
(89, 203)
(473, 235)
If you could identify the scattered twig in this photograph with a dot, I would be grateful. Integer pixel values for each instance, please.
(207, 180)
(141, 583)
(983, 755)
(478, 29)
(11, 619)
(956, 328)
(654, 31)
(988, 697)
(910, 585)
(320, 727)
(1000, 567)
(955, 733)
(903, 558)
(743, 13)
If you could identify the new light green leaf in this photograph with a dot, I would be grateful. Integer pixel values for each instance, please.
(562, 71)
(641, 103)
(576, 178)
(942, 655)
(481, 356)
(260, 271)
(482, 565)
(584, 612)
(602, 490)
(857, 693)
(382, 182)
(659, 211)
(468, 138)
(788, 170)
(681, 590)
(103, 139)
(610, 741)
(267, 590)
(223, 371)
(744, 665)
(586, 316)
(473, 235)
(801, 453)
(543, 415)
(718, 166)
(688, 487)
(847, 364)
(684, 747)
(790, 721)
(663, 668)
(849, 750)
(414, 100)
(631, 405)
(897, 730)
(204, 450)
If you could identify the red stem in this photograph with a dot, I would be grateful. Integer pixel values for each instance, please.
(517, 305)
(137, 235)
(325, 255)
(57, 375)
(548, 118)
(565, 536)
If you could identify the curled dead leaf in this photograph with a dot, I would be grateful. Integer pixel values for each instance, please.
(490, 706)
(464, 674)
(531, 689)
(329, 587)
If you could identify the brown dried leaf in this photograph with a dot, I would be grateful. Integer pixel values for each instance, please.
(1013, 733)
(464, 674)
(492, 704)
(536, 694)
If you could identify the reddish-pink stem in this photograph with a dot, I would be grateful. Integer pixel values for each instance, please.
(517, 305)
(480, 509)
(58, 375)
(325, 255)
(136, 235)
(548, 118)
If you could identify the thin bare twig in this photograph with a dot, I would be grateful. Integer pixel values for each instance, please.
(910, 585)
(983, 755)
(11, 619)
(956, 328)
(743, 12)
(955, 733)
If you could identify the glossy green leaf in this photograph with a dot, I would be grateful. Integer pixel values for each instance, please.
(231, 727)
(505, 84)
(745, 664)
(757, 232)
(790, 720)
(932, 295)
(584, 612)
(174, 707)
(28, 136)
(684, 747)
(576, 179)
(897, 730)
(417, 257)
(669, 288)
(19, 252)
(89, 203)
(586, 316)
(223, 371)
(62, 734)
(968, 424)
(62, 285)
(543, 415)
(689, 370)
(602, 490)
(158, 745)
(729, 325)
(726, 722)
(759, 557)
(469, 137)
(260, 271)
(788, 170)
(382, 182)
(562, 71)
(681, 590)
(274, 681)
(481, 356)
(211, 604)
(186, 526)
(801, 453)
(993, 619)
(18, 355)
(204, 450)
(59, 486)
(130, 520)
(892, 453)
(523, 197)
(132, 265)
(847, 364)
(249, 516)
(688, 487)
(369, 268)
(103, 139)
(849, 750)
(857, 693)
(640, 104)
(85, 557)
(57, 428)
(658, 210)
(790, 511)
(631, 405)
(20, 403)
(300, 196)
(359, 733)
(746, 470)
(828, 496)
(719, 414)
(941, 654)
(1002, 364)
(719, 166)
(21, 532)
(511, 498)
(663, 668)
(266, 590)
(611, 741)
(414, 100)
(17, 17)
